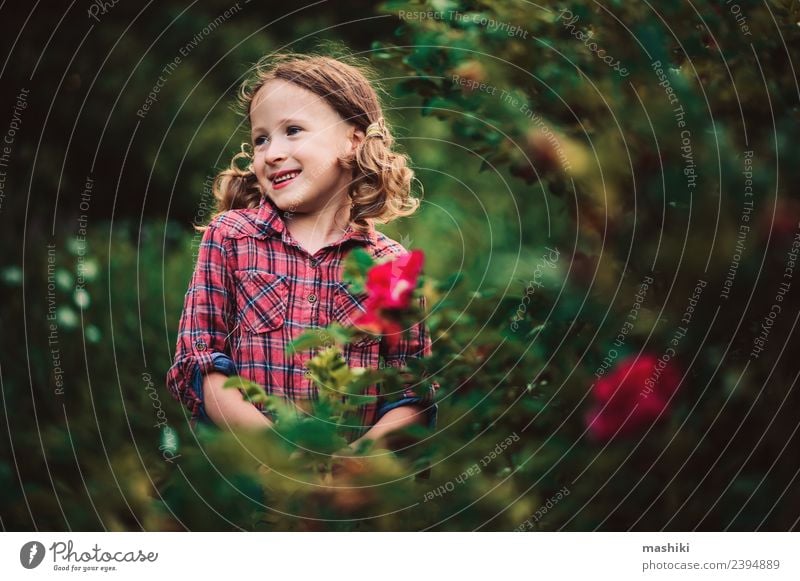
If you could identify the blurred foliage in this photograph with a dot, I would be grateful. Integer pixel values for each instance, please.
(564, 157)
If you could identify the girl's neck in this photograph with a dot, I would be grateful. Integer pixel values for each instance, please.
(316, 230)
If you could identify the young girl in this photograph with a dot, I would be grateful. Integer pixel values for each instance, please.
(270, 262)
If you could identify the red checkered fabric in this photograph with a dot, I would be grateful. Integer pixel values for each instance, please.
(254, 290)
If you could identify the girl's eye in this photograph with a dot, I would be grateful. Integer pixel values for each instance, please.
(262, 139)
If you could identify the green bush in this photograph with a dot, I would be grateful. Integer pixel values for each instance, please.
(575, 209)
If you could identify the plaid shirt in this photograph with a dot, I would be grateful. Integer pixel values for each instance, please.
(254, 290)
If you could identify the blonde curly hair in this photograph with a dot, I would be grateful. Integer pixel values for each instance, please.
(381, 185)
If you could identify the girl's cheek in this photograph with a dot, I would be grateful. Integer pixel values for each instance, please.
(258, 166)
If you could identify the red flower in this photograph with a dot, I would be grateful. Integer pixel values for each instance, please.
(374, 322)
(390, 287)
(632, 397)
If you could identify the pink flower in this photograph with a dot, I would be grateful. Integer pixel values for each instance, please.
(390, 288)
(391, 285)
(374, 322)
(632, 396)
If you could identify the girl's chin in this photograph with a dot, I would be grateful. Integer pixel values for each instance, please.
(285, 202)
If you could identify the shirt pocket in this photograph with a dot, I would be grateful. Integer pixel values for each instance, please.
(347, 307)
(261, 300)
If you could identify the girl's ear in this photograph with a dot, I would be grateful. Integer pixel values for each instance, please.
(356, 137)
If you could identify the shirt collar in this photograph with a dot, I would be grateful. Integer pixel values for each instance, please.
(269, 218)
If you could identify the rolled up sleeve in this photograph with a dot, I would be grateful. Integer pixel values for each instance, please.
(416, 345)
(205, 324)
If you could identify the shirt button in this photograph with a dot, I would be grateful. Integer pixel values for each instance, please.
(312, 298)
(307, 374)
(200, 345)
(314, 263)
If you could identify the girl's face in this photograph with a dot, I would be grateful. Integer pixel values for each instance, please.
(297, 133)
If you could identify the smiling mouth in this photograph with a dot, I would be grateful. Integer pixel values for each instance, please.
(285, 179)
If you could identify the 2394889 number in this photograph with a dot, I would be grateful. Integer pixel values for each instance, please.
(756, 564)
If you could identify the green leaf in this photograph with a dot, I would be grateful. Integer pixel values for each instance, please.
(450, 282)
(340, 335)
(416, 86)
(318, 435)
(306, 340)
(356, 266)
(362, 399)
(253, 392)
(330, 336)
(360, 378)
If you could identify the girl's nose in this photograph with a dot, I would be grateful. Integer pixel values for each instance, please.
(275, 157)
(275, 153)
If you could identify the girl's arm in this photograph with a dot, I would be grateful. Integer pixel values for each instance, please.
(392, 421)
(227, 407)
(203, 350)
(412, 408)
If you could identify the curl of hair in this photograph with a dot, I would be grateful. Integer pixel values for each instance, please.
(234, 187)
(381, 176)
(382, 180)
